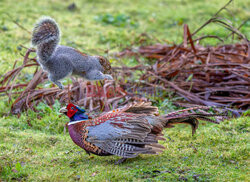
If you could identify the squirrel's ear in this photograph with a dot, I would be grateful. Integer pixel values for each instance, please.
(102, 59)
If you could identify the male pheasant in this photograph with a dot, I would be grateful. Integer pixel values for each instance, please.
(126, 132)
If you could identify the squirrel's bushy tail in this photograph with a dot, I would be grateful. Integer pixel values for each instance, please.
(45, 31)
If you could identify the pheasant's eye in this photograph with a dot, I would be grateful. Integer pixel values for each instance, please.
(72, 108)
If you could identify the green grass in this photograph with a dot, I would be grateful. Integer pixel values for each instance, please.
(43, 152)
(34, 146)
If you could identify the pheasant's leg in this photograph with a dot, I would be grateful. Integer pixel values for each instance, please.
(87, 152)
(120, 161)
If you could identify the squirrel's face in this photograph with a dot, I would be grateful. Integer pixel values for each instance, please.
(105, 64)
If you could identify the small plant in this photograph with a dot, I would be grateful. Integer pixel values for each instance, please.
(119, 20)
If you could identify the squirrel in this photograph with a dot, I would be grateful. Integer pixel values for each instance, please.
(61, 61)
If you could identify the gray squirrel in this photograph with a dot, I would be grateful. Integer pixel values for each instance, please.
(61, 61)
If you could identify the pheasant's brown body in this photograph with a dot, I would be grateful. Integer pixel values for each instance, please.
(129, 131)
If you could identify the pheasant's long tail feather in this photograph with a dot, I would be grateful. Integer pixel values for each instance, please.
(190, 116)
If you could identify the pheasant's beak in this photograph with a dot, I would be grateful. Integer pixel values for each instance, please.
(63, 110)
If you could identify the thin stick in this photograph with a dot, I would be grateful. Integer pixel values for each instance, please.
(211, 19)
(14, 21)
(238, 27)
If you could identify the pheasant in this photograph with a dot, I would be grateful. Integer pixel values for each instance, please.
(128, 131)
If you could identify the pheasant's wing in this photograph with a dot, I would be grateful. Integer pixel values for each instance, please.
(141, 108)
(124, 135)
(137, 108)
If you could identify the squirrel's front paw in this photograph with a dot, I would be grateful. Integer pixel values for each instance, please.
(108, 77)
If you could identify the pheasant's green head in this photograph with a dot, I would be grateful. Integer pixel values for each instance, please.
(74, 112)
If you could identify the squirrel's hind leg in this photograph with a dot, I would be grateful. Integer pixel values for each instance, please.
(55, 81)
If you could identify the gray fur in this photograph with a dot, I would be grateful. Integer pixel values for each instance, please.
(61, 61)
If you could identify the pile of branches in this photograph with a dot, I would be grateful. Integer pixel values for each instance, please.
(218, 76)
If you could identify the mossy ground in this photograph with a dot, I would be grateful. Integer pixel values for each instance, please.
(34, 146)
(42, 152)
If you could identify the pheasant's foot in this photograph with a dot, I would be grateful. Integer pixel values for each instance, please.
(120, 161)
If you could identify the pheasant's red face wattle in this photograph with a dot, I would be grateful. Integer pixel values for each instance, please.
(71, 110)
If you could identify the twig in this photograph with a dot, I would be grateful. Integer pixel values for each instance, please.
(211, 19)
(14, 21)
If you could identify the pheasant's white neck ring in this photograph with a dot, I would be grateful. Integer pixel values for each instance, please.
(74, 122)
